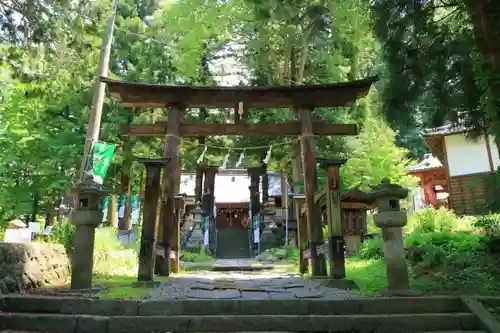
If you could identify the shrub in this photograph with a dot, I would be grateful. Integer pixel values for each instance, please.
(192, 256)
(63, 233)
(440, 220)
(444, 248)
(490, 224)
(111, 257)
(371, 249)
(292, 253)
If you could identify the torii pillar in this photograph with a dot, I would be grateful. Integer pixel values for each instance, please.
(334, 217)
(170, 183)
(315, 231)
(150, 210)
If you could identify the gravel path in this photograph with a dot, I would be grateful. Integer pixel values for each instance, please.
(244, 285)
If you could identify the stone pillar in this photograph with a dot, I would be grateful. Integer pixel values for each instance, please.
(195, 241)
(334, 217)
(299, 201)
(315, 230)
(391, 220)
(86, 217)
(171, 151)
(267, 238)
(151, 196)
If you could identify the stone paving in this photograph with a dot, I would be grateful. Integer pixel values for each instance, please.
(244, 285)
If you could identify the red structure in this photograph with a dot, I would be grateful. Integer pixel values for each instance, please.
(433, 179)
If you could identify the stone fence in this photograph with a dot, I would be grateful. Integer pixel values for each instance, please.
(31, 265)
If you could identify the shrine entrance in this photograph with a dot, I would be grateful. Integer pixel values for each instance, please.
(302, 99)
(231, 216)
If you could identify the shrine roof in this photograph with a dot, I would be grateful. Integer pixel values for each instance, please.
(428, 163)
(144, 95)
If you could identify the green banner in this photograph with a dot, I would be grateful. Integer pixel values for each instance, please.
(101, 157)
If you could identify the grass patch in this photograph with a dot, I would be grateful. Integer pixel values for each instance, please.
(121, 287)
(369, 275)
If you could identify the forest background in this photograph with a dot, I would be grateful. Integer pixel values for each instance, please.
(436, 63)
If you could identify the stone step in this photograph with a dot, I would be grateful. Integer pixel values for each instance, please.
(454, 331)
(232, 244)
(394, 323)
(355, 306)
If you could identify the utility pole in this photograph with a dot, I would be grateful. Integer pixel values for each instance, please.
(94, 125)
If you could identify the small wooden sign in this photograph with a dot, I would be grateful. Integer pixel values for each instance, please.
(321, 249)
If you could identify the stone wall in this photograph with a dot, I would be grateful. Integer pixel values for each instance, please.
(32, 265)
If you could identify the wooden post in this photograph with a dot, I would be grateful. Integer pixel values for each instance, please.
(265, 184)
(254, 174)
(308, 148)
(112, 211)
(171, 151)
(299, 201)
(176, 234)
(151, 196)
(284, 205)
(334, 218)
(209, 200)
(198, 191)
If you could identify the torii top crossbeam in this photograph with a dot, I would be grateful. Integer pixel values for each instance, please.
(142, 95)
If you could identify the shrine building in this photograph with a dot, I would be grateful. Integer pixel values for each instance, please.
(466, 163)
(231, 236)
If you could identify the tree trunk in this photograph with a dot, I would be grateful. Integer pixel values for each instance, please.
(485, 18)
(125, 223)
(36, 199)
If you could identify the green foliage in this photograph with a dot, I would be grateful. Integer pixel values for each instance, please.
(441, 52)
(292, 253)
(63, 233)
(111, 257)
(444, 252)
(440, 220)
(374, 156)
(371, 249)
(490, 224)
(492, 189)
(435, 249)
(198, 257)
(369, 275)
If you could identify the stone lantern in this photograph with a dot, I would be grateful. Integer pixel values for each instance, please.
(87, 216)
(195, 239)
(268, 238)
(391, 219)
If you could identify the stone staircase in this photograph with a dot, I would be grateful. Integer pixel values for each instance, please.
(357, 315)
(232, 243)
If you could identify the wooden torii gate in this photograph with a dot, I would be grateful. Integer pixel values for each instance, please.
(301, 98)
